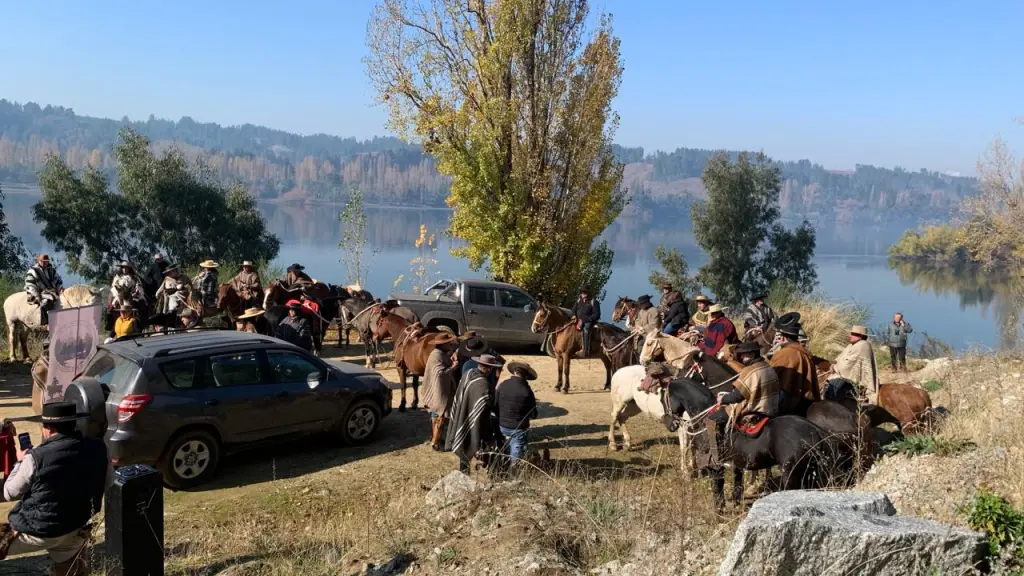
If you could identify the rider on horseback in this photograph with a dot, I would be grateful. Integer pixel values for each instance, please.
(43, 285)
(756, 393)
(247, 284)
(674, 310)
(295, 278)
(126, 287)
(586, 312)
(207, 284)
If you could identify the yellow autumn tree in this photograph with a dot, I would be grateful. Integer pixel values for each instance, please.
(513, 98)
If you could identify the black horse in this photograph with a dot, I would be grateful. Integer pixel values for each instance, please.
(356, 302)
(805, 453)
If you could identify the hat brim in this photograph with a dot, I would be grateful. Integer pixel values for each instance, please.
(464, 351)
(58, 419)
(253, 315)
(528, 372)
(480, 360)
(444, 338)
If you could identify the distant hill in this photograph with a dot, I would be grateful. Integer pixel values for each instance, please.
(280, 165)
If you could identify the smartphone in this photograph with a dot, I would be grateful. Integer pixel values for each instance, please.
(25, 440)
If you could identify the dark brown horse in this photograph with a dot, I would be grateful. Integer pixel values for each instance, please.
(625, 310)
(230, 302)
(567, 341)
(276, 294)
(388, 326)
(412, 348)
(351, 307)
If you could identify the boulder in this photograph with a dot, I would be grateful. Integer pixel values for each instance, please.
(453, 488)
(802, 532)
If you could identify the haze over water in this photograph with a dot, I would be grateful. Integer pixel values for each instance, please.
(964, 309)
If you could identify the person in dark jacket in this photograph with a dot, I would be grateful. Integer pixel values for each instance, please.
(59, 486)
(896, 338)
(516, 406)
(154, 276)
(295, 329)
(674, 310)
(587, 313)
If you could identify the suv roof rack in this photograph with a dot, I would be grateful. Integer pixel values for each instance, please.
(206, 346)
(134, 337)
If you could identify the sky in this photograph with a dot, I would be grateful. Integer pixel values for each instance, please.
(910, 83)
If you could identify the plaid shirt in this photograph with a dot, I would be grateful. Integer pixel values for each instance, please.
(719, 332)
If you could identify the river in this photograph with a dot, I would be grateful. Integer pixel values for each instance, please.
(964, 309)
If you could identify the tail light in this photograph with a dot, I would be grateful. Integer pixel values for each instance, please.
(130, 405)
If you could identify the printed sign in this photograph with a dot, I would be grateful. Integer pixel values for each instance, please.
(73, 336)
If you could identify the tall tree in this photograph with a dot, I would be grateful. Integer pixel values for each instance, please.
(675, 271)
(513, 98)
(13, 258)
(353, 238)
(738, 227)
(164, 203)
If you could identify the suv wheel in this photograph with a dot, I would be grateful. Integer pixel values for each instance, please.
(190, 460)
(361, 422)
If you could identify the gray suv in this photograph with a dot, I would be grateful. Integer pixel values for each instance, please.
(180, 401)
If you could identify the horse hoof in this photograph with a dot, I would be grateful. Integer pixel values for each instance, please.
(401, 408)
(414, 406)
(565, 390)
(557, 388)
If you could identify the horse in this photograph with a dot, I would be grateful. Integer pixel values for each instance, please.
(412, 349)
(389, 325)
(628, 400)
(83, 295)
(22, 317)
(624, 309)
(801, 449)
(230, 302)
(910, 406)
(351, 310)
(568, 341)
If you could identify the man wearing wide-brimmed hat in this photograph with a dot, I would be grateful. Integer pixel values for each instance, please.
(154, 276)
(471, 432)
(647, 316)
(701, 317)
(253, 321)
(59, 486)
(472, 346)
(674, 310)
(755, 395)
(247, 284)
(516, 405)
(720, 331)
(295, 329)
(857, 364)
(439, 384)
(126, 285)
(759, 316)
(43, 285)
(207, 283)
(798, 377)
(295, 277)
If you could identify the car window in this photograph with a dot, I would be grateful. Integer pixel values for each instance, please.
(513, 299)
(481, 296)
(235, 369)
(290, 367)
(117, 372)
(182, 373)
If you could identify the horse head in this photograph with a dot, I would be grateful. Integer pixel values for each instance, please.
(541, 318)
(622, 307)
(652, 346)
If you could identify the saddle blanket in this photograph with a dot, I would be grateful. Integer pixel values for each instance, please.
(750, 427)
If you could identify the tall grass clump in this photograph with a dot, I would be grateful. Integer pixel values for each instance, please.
(826, 322)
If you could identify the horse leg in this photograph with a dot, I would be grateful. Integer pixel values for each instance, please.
(402, 378)
(737, 485)
(616, 410)
(627, 443)
(366, 350)
(11, 327)
(568, 362)
(23, 338)
(415, 392)
(607, 371)
(718, 487)
(684, 451)
(559, 360)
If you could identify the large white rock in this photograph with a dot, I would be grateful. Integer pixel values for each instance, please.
(455, 487)
(802, 532)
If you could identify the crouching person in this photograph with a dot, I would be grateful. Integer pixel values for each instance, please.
(516, 406)
(59, 485)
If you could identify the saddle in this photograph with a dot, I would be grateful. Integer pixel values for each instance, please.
(750, 425)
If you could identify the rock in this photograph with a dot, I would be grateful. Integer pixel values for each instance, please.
(396, 565)
(807, 532)
(455, 487)
(937, 369)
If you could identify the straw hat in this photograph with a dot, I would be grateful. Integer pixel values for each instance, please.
(246, 263)
(703, 298)
(208, 264)
(528, 372)
(715, 308)
(443, 338)
(859, 331)
(252, 313)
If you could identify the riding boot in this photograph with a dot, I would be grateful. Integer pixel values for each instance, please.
(712, 427)
(437, 425)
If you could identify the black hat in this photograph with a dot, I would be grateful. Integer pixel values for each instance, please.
(585, 290)
(789, 324)
(759, 296)
(294, 306)
(527, 371)
(57, 412)
(644, 298)
(751, 347)
(473, 346)
(296, 266)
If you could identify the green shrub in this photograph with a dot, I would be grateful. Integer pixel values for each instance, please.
(1003, 525)
(917, 445)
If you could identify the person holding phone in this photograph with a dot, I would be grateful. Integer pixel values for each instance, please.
(59, 486)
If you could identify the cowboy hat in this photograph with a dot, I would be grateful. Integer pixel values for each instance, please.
(473, 345)
(703, 298)
(585, 290)
(296, 266)
(57, 412)
(789, 324)
(794, 329)
(751, 347)
(170, 269)
(208, 264)
(859, 331)
(715, 308)
(246, 263)
(443, 338)
(644, 298)
(251, 313)
(758, 296)
(488, 360)
(43, 258)
(666, 286)
(158, 256)
(294, 306)
(516, 366)
(125, 264)
(126, 308)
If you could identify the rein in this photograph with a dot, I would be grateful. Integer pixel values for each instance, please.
(562, 329)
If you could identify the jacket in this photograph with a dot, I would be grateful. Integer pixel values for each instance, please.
(124, 326)
(758, 317)
(896, 334)
(168, 297)
(292, 279)
(154, 277)
(296, 330)
(759, 386)
(67, 478)
(124, 288)
(678, 312)
(588, 312)
(668, 300)
(39, 279)
(515, 403)
(207, 284)
(647, 319)
(701, 319)
(798, 377)
(247, 283)
(857, 364)
(720, 331)
(470, 430)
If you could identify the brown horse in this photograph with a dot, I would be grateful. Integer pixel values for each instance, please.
(567, 341)
(910, 405)
(388, 325)
(276, 294)
(412, 348)
(230, 303)
(625, 309)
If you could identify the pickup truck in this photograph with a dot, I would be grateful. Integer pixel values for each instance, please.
(500, 312)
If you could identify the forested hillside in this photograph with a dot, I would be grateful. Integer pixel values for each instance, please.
(275, 164)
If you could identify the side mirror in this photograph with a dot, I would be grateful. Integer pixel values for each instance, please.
(313, 380)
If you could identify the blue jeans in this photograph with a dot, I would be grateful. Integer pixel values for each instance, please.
(669, 328)
(516, 440)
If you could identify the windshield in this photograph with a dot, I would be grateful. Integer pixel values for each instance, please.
(115, 371)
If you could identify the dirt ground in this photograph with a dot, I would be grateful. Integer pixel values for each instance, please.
(572, 426)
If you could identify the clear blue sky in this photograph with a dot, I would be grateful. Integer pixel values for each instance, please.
(913, 83)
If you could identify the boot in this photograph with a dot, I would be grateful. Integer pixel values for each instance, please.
(712, 427)
(437, 426)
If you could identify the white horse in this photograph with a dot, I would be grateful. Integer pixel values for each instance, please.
(23, 317)
(628, 400)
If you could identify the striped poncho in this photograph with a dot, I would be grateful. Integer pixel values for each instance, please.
(470, 428)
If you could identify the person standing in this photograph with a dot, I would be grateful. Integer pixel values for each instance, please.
(896, 338)
(439, 385)
(857, 364)
(516, 406)
(58, 487)
(587, 313)
(471, 431)
(295, 329)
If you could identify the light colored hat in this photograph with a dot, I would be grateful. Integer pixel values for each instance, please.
(443, 338)
(859, 331)
(703, 298)
(715, 308)
(125, 264)
(251, 313)
(246, 263)
(208, 264)
(489, 360)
